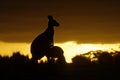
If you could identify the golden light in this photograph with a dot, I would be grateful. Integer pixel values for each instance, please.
(7, 49)
(71, 48)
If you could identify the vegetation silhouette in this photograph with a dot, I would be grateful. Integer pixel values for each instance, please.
(17, 58)
(20, 66)
(81, 60)
(44, 42)
(116, 57)
(105, 58)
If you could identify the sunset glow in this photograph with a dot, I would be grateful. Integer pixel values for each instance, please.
(60, 39)
(71, 48)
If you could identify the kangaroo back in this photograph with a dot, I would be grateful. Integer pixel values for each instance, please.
(44, 41)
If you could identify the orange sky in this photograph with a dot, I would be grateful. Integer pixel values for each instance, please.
(84, 21)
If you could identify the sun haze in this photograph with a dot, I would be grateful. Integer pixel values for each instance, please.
(71, 48)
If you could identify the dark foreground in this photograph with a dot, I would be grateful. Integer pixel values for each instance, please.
(59, 72)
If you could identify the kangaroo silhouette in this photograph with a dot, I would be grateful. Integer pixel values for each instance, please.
(43, 42)
(56, 52)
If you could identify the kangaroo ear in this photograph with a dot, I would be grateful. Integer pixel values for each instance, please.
(50, 17)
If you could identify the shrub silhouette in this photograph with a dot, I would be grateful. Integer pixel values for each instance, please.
(81, 60)
(17, 58)
(116, 58)
(105, 58)
(4, 60)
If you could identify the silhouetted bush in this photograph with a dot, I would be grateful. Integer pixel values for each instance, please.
(17, 58)
(105, 58)
(4, 60)
(116, 58)
(81, 60)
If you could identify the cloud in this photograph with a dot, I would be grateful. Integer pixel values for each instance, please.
(82, 21)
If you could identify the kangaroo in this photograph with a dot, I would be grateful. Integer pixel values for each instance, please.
(43, 42)
(56, 52)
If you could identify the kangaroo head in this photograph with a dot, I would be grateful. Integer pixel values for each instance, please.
(52, 22)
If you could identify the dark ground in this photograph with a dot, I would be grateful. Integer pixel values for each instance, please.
(59, 72)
